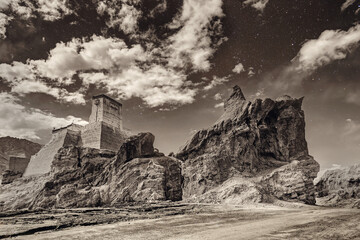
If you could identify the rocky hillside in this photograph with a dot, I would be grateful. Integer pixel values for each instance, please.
(86, 177)
(255, 152)
(15, 146)
(339, 187)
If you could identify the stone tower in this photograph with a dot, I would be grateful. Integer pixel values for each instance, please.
(104, 130)
(107, 110)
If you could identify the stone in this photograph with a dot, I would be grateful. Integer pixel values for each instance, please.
(9, 176)
(137, 146)
(339, 187)
(262, 142)
(88, 177)
(104, 131)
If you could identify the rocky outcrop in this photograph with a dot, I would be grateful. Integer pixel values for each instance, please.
(10, 146)
(262, 142)
(140, 145)
(87, 177)
(339, 187)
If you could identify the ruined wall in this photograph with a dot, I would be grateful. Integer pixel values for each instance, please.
(41, 162)
(111, 138)
(101, 135)
(18, 164)
(91, 135)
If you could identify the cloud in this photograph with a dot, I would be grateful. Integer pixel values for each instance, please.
(4, 21)
(192, 43)
(49, 10)
(25, 123)
(257, 4)
(330, 46)
(218, 96)
(160, 8)
(22, 80)
(156, 85)
(219, 105)
(123, 15)
(251, 72)
(216, 81)
(156, 73)
(96, 54)
(351, 131)
(347, 4)
(52, 10)
(239, 68)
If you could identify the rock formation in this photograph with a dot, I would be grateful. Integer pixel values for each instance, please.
(14, 153)
(88, 177)
(339, 187)
(255, 152)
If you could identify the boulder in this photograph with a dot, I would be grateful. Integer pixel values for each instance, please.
(339, 187)
(140, 145)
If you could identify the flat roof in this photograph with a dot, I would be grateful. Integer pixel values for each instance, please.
(106, 96)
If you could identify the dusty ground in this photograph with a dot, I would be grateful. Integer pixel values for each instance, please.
(184, 221)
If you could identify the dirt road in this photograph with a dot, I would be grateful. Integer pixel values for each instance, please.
(220, 222)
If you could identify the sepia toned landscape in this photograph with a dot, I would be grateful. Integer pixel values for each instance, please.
(194, 119)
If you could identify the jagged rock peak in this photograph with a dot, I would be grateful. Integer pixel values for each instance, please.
(262, 139)
(236, 99)
(237, 93)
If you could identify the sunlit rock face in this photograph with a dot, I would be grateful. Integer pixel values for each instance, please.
(339, 187)
(88, 177)
(260, 142)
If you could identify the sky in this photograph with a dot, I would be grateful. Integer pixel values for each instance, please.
(172, 63)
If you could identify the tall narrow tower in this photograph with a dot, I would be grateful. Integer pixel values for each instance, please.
(104, 130)
(107, 110)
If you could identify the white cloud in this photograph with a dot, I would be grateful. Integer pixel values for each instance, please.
(258, 94)
(239, 68)
(347, 4)
(34, 86)
(156, 85)
(157, 75)
(219, 105)
(123, 15)
(330, 46)
(352, 130)
(25, 123)
(216, 81)
(251, 72)
(218, 96)
(257, 4)
(52, 10)
(49, 10)
(15, 71)
(192, 43)
(98, 53)
(22, 80)
(4, 21)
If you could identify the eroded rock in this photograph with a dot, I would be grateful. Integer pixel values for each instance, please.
(339, 187)
(262, 142)
(88, 177)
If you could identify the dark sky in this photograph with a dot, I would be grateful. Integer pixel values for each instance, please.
(172, 63)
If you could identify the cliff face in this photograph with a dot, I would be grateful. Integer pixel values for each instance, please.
(340, 187)
(87, 177)
(261, 142)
